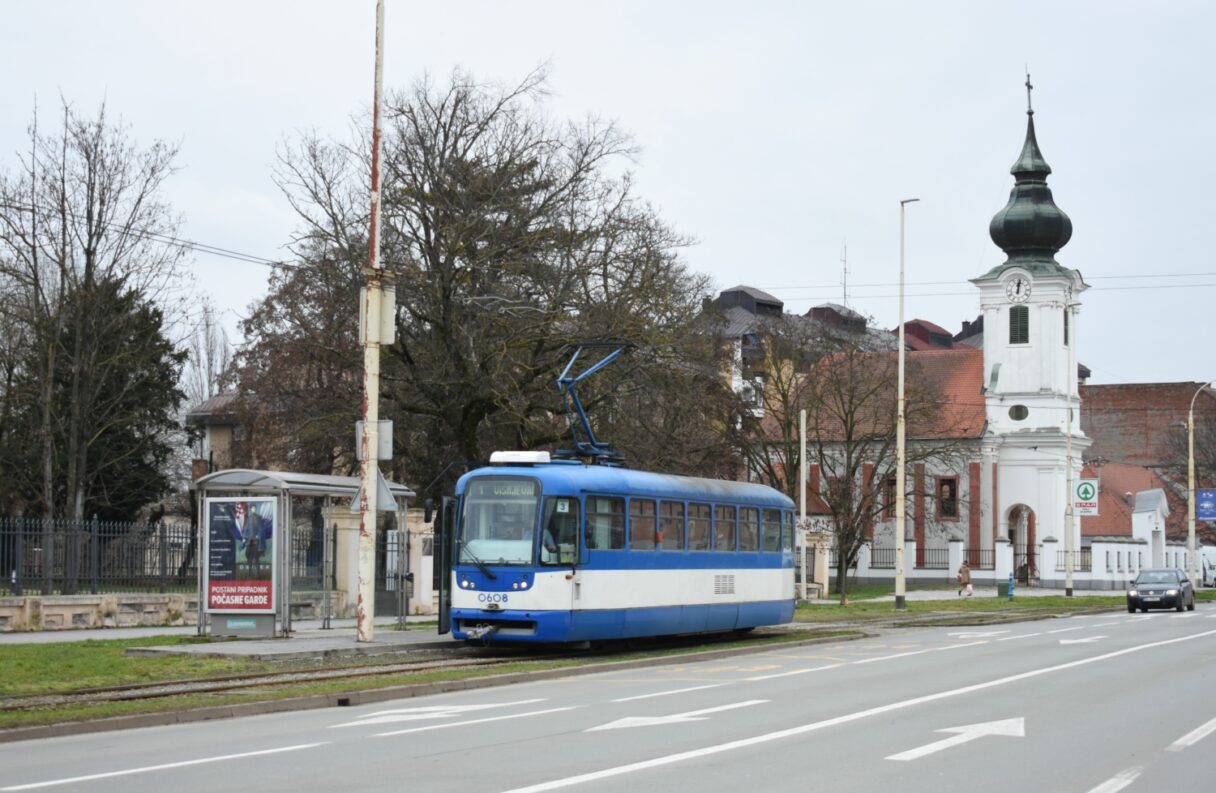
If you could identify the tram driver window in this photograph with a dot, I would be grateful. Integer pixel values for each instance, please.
(559, 531)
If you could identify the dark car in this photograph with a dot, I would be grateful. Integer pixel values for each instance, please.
(1167, 588)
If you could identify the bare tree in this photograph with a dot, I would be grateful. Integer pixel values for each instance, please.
(81, 224)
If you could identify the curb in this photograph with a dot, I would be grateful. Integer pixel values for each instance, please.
(318, 701)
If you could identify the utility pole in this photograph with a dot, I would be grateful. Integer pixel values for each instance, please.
(371, 330)
(1192, 558)
(901, 517)
(1069, 381)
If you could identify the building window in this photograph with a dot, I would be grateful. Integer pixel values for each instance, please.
(1019, 412)
(947, 498)
(1065, 327)
(888, 499)
(1019, 325)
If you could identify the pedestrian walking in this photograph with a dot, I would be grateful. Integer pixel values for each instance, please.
(964, 579)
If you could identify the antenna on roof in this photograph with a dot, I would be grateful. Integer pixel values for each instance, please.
(844, 275)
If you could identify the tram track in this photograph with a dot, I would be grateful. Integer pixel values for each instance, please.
(455, 659)
(208, 685)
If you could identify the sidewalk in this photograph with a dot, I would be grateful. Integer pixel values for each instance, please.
(309, 639)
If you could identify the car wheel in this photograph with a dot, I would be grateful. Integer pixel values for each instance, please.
(1179, 607)
(1191, 606)
(1131, 609)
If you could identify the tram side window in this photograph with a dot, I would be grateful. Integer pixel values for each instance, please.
(605, 523)
(698, 527)
(749, 529)
(772, 530)
(641, 524)
(671, 525)
(559, 531)
(787, 531)
(724, 528)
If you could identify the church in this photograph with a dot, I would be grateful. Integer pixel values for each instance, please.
(1029, 428)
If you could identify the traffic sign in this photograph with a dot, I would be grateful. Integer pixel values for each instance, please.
(1205, 504)
(1085, 497)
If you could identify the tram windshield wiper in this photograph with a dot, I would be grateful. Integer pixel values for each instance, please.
(485, 568)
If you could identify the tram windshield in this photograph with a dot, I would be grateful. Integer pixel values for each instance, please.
(499, 520)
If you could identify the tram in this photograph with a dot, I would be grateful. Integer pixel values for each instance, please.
(538, 549)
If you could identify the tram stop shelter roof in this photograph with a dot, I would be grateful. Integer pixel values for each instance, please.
(255, 481)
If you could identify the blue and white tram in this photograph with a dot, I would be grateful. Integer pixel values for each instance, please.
(564, 551)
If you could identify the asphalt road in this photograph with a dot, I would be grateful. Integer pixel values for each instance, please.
(1090, 704)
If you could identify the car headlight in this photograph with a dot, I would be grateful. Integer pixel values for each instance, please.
(1171, 592)
(1132, 593)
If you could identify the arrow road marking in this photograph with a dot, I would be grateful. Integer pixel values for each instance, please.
(428, 712)
(1011, 727)
(474, 721)
(1086, 640)
(675, 718)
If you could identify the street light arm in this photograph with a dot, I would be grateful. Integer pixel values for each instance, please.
(1192, 560)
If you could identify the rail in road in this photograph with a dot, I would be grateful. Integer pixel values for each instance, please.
(1093, 704)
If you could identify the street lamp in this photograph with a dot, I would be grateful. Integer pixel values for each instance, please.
(1192, 560)
(900, 507)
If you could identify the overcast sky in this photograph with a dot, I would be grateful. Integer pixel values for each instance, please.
(774, 133)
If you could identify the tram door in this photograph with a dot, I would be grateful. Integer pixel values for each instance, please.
(445, 536)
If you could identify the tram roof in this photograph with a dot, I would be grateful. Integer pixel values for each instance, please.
(586, 478)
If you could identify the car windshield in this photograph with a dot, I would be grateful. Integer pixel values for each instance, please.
(1157, 577)
(499, 520)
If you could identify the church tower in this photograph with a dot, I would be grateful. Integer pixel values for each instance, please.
(1029, 305)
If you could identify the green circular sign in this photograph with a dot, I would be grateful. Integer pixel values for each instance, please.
(1086, 491)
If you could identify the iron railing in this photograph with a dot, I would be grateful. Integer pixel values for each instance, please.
(66, 557)
(933, 558)
(1082, 560)
(882, 558)
(980, 558)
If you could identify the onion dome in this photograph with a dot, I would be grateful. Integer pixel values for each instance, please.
(1031, 228)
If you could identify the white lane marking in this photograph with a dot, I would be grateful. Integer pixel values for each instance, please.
(819, 725)
(975, 634)
(1184, 616)
(789, 674)
(1103, 624)
(426, 712)
(1022, 636)
(161, 767)
(918, 652)
(675, 718)
(1118, 781)
(473, 721)
(1086, 640)
(1014, 728)
(1193, 737)
(668, 693)
(1140, 618)
(1066, 630)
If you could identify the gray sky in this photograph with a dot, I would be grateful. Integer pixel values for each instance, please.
(774, 133)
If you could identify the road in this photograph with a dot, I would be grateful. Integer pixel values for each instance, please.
(1088, 704)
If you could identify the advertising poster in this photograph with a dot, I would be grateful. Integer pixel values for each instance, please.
(240, 554)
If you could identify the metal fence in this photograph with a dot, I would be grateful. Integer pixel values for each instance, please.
(66, 557)
(933, 558)
(980, 558)
(1082, 560)
(882, 558)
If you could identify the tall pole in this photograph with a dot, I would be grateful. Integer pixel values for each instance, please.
(1192, 564)
(369, 465)
(1070, 497)
(802, 499)
(900, 430)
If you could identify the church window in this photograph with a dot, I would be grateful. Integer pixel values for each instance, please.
(1065, 328)
(947, 498)
(1019, 412)
(1019, 325)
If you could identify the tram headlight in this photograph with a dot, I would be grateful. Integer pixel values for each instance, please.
(523, 584)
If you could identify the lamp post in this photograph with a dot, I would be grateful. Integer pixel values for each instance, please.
(1192, 560)
(900, 475)
(1070, 496)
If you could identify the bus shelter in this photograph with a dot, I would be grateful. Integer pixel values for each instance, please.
(260, 542)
